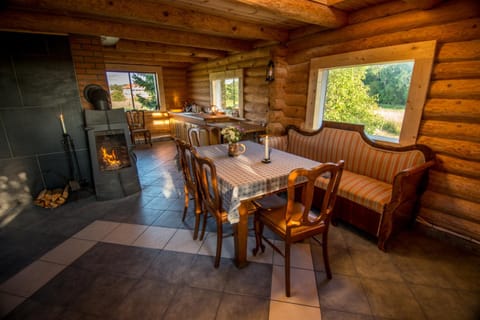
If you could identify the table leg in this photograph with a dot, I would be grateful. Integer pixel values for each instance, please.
(241, 237)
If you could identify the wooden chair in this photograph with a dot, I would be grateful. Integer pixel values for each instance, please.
(190, 187)
(136, 125)
(203, 136)
(292, 219)
(211, 199)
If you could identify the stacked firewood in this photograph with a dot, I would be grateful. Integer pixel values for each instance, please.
(52, 198)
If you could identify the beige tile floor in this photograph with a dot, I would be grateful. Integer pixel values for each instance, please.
(304, 291)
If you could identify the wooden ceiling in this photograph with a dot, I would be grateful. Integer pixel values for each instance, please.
(165, 32)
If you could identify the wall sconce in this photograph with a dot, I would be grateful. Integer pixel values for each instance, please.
(108, 41)
(269, 77)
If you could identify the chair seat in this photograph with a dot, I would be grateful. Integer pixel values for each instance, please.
(141, 130)
(272, 213)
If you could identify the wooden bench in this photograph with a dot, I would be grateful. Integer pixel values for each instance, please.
(381, 185)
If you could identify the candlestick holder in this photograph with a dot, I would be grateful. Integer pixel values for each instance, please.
(267, 160)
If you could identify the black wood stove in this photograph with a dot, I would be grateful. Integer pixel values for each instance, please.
(113, 161)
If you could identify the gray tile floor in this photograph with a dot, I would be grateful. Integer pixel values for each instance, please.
(425, 275)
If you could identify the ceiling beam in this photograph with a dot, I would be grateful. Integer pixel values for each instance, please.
(157, 14)
(114, 54)
(119, 64)
(40, 22)
(303, 10)
(151, 47)
(423, 4)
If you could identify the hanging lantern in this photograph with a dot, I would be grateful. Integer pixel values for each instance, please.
(269, 77)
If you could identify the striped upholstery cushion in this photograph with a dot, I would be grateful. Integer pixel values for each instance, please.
(368, 192)
(334, 145)
(278, 142)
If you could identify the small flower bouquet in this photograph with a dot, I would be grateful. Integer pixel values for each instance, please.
(231, 134)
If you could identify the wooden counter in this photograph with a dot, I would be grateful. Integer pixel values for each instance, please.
(180, 122)
(199, 118)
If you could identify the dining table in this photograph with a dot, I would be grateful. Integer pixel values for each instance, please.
(246, 177)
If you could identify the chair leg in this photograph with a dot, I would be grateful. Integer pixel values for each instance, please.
(149, 138)
(325, 255)
(187, 200)
(205, 216)
(198, 213)
(287, 269)
(219, 243)
(197, 226)
(258, 236)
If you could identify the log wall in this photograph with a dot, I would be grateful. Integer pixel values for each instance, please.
(175, 87)
(255, 88)
(451, 117)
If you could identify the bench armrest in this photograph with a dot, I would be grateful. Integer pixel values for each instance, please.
(410, 182)
(408, 185)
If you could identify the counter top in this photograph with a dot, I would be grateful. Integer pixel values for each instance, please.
(202, 116)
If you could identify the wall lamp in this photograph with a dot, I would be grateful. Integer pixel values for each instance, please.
(269, 73)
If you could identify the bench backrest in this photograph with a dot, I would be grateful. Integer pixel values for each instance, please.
(331, 144)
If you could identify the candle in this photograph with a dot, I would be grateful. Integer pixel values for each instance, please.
(63, 124)
(267, 156)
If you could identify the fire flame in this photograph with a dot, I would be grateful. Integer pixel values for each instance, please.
(110, 159)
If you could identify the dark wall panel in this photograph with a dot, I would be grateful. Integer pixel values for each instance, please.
(45, 80)
(8, 84)
(37, 83)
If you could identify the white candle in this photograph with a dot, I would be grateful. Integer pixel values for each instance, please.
(63, 124)
(266, 148)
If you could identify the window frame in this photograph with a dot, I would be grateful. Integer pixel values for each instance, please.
(422, 53)
(158, 71)
(228, 74)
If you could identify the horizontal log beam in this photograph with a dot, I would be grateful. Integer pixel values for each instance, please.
(423, 4)
(462, 227)
(456, 31)
(452, 110)
(458, 148)
(159, 15)
(303, 10)
(455, 89)
(109, 53)
(241, 57)
(254, 63)
(453, 185)
(454, 165)
(151, 47)
(390, 8)
(462, 50)
(400, 23)
(120, 64)
(451, 130)
(456, 70)
(48, 23)
(453, 206)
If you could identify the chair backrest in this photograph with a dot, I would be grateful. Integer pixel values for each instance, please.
(302, 181)
(184, 151)
(207, 181)
(136, 119)
(199, 136)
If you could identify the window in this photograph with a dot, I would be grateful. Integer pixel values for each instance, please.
(133, 90)
(386, 93)
(226, 91)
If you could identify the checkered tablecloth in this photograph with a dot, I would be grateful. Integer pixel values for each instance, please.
(246, 176)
